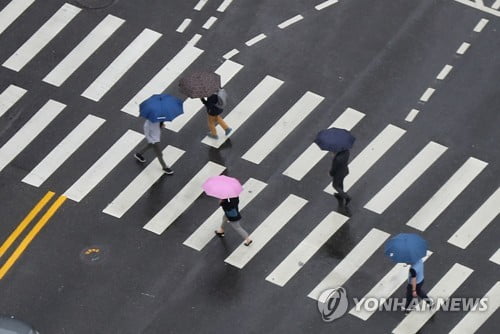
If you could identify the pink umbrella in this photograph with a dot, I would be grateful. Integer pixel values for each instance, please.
(222, 187)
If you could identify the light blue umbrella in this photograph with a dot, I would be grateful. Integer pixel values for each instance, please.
(406, 248)
(161, 108)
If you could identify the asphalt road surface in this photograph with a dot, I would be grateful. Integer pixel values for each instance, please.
(95, 242)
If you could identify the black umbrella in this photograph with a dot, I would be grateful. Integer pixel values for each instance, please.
(334, 140)
(200, 84)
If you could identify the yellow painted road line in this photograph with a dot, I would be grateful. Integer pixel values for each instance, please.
(31, 235)
(25, 222)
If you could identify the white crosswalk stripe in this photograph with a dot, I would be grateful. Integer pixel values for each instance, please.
(306, 249)
(110, 76)
(205, 232)
(183, 199)
(266, 231)
(145, 180)
(42, 37)
(496, 257)
(283, 127)
(9, 97)
(351, 263)
(12, 11)
(63, 150)
(413, 322)
(103, 166)
(446, 194)
(312, 155)
(18, 142)
(405, 178)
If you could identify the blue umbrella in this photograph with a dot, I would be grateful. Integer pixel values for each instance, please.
(334, 140)
(161, 108)
(406, 248)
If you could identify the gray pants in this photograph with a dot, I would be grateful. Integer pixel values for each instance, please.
(235, 225)
(157, 150)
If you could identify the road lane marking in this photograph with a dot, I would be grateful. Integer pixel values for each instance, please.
(325, 4)
(31, 129)
(230, 54)
(223, 6)
(306, 249)
(283, 127)
(12, 11)
(117, 69)
(352, 262)
(210, 21)
(496, 5)
(255, 40)
(25, 222)
(411, 115)
(266, 231)
(480, 25)
(195, 39)
(41, 37)
(478, 4)
(444, 72)
(290, 21)
(199, 6)
(494, 258)
(463, 48)
(405, 178)
(183, 25)
(31, 235)
(9, 97)
(427, 94)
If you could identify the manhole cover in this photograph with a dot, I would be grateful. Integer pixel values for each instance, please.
(94, 4)
(93, 254)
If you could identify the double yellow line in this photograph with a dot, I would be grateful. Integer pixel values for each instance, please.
(32, 234)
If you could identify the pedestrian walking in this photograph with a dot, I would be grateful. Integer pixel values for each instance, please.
(152, 132)
(214, 104)
(232, 217)
(338, 172)
(414, 287)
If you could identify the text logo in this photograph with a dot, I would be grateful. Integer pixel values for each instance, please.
(332, 304)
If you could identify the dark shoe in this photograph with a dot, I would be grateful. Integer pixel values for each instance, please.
(139, 157)
(248, 243)
(228, 131)
(219, 234)
(347, 200)
(212, 136)
(168, 171)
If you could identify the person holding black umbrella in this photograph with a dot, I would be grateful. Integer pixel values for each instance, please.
(338, 172)
(214, 104)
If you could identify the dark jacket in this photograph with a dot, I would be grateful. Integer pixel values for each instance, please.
(339, 168)
(210, 103)
(230, 207)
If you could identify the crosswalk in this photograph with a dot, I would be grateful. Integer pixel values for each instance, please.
(381, 147)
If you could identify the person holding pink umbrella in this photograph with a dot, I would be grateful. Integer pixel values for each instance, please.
(227, 189)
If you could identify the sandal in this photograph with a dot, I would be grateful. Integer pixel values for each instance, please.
(219, 234)
(248, 243)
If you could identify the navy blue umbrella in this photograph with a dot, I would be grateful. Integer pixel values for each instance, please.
(334, 140)
(161, 108)
(406, 248)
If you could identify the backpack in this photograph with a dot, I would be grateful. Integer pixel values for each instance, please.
(221, 98)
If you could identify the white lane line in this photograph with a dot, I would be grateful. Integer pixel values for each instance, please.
(183, 25)
(83, 50)
(352, 262)
(195, 39)
(496, 5)
(230, 54)
(405, 178)
(31, 129)
(266, 231)
(463, 48)
(138, 187)
(414, 321)
(183, 199)
(63, 150)
(444, 72)
(446, 194)
(478, 4)
(208, 24)
(227, 71)
(164, 77)
(480, 25)
(312, 155)
(290, 21)
(496, 257)
(283, 127)
(255, 40)
(397, 276)
(12, 11)
(104, 165)
(41, 37)
(325, 4)
(9, 97)
(127, 58)
(411, 115)
(370, 155)
(223, 6)
(306, 249)
(205, 232)
(476, 223)
(246, 108)
(199, 6)
(474, 319)
(427, 94)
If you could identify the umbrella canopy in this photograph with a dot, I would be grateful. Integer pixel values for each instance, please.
(334, 140)
(200, 84)
(222, 187)
(161, 108)
(406, 248)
